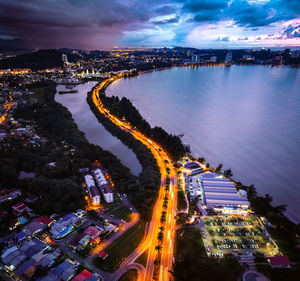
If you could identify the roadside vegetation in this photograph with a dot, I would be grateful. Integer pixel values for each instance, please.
(130, 275)
(181, 202)
(191, 262)
(123, 108)
(144, 193)
(120, 249)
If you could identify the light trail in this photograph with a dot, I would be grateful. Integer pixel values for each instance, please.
(150, 241)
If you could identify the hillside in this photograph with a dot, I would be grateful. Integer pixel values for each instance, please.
(36, 61)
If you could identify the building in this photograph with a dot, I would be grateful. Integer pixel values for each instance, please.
(100, 178)
(193, 168)
(228, 58)
(213, 59)
(196, 58)
(20, 208)
(63, 226)
(86, 276)
(89, 181)
(94, 194)
(103, 185)
(6, 194)
(107, 193)
(220, 194)
(279, 262)
(64, 58)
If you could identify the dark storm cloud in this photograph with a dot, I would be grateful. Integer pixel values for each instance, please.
(204, 17)
(101, 23)
(200, 5)
(53, 23)
(246, 14)
(165, 10)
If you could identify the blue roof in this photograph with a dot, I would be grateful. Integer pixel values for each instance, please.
(209, 175)
(68, 216)
(220, 191)
(228, 198)
(57, 271)
(191, 165)
(21, 235)
(22, 220)
(20, 271)
(65, 265)
(217, 185)
(216, 179)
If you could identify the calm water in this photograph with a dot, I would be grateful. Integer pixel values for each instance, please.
(94, 131)
(247, 117)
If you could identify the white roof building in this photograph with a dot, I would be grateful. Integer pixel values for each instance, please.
(100, 178)
(89, 181)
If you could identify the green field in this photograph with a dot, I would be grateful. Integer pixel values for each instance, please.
(121, 248)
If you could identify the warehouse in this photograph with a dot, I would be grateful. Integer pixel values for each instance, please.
(220, 194)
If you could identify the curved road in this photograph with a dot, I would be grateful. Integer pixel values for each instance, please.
(150, 240)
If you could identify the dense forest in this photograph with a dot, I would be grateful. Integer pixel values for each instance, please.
(124, 108)
(38, 60)
(58, 188)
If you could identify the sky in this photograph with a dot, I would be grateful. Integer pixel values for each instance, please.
(103, 24)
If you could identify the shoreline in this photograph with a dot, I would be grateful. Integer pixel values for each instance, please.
(288, 214)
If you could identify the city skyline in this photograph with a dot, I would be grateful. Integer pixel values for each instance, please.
(96, 24)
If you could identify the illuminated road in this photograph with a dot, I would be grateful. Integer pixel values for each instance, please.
(8, 107)
(163, 161)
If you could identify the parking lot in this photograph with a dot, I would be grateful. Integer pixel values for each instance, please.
(226, 235)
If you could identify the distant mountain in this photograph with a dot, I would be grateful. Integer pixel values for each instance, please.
(37, 60)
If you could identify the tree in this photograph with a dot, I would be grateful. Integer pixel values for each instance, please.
(160, 236)
(201, 159)
(228, 173)
(219, 168)
(158, 248)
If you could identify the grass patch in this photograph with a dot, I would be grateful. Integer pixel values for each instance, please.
(121, 213)
(142, 259)
(192, 263)
(130, 275)
(181, 202)
(279, 274)
(121, 248)
(181, 218)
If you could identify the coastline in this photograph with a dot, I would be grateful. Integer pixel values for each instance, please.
(288, 214)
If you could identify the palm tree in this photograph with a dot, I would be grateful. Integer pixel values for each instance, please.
(162, 219)
(158, 248)
(161, 228)
(160, 236)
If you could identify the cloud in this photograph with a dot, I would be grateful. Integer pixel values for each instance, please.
(200, 5)
(292, 31)
(101, 24)
(223, 39)
(166, 21)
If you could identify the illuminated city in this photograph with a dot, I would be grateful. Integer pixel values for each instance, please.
(118, 124)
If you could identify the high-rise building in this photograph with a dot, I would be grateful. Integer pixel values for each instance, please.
(196, 58)
(64, 58)
(213, 59)
(228, 58)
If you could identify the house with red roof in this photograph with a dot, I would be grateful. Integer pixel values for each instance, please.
(82, 276)
(44, 220)
(93, 232)
(279, 262)
(20, 208)
(103, 255)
